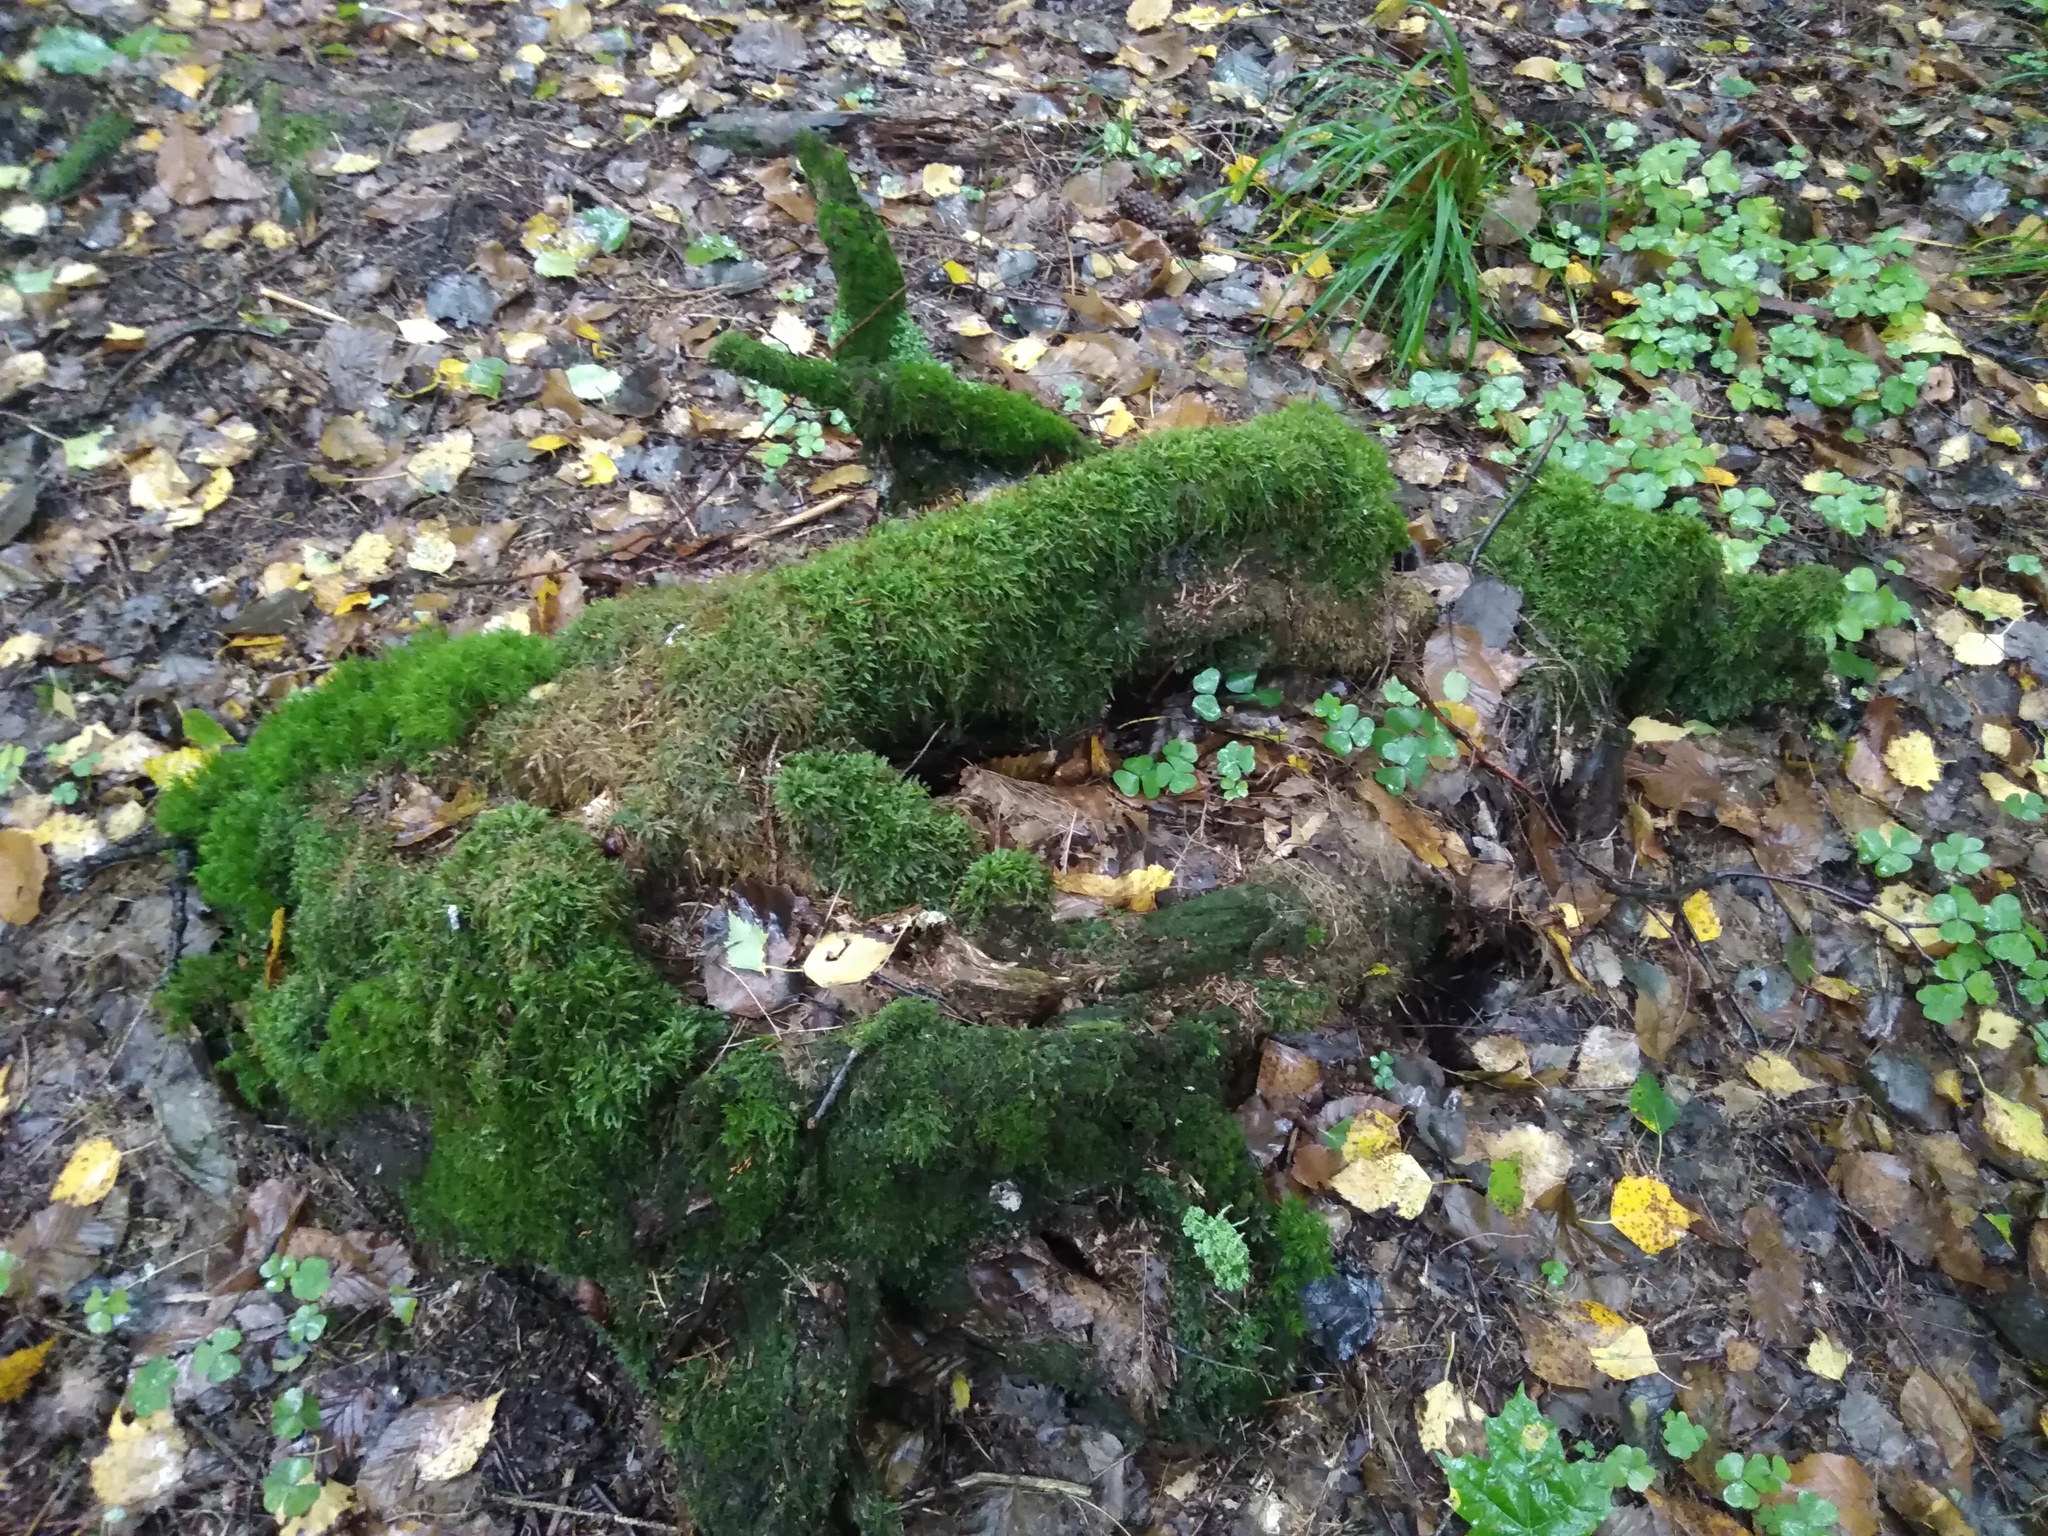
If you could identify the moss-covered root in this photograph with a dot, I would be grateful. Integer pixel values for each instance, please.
(93, 148)
(871, 323)
(899, 407)
(869, 832)
(1645, 598)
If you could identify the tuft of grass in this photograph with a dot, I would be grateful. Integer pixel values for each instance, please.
(1393, 162)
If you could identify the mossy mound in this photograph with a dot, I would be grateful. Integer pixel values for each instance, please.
(1017, 615)
(1646, 599)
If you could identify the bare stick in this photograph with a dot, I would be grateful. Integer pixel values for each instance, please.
(1521, 489)
(545, 1508)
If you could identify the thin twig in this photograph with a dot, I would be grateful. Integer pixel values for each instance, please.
(279, 296)
(542, 1506)
(832, 1090)
(1521, 489)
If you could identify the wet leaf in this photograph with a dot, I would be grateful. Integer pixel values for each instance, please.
(1776, 1075)
(1929, 1410)
(746, 944)
(1701, 917)
(2015, 1127)
(1542, 1157)
(1652, 1105)
(1393, 1182)
(89, 1173)
(433, 139)
(1644, 729)
(1645, 1212)
(1371, 1133)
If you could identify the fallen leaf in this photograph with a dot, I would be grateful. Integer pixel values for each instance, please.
(455, 1437)
(1775, 1074)
(19, 1369)
(1929, 1409)
(433, 138)
(1643, 730)
(1538, 68)
(1911, 760)
(1645, 1212)
(334, 1501)
(1022, 355)
(1701, 917)
(1543, 1156)
(1393, 1182)
(434, 470)
(23, 866)
(1827, 1358)
(1136, 889)
(2015, 1127)
(1372, 1133)
(142, 1464)
(89, 1174)
(1145, 15)
(789, 329)
(1445, 1413)
(1627, 1356)
(26, 646)
(844, 959)
(1841, 1481)
(1997, 1030)
(941, 180)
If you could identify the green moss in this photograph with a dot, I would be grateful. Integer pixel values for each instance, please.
(1645, 598)
(866, 830)
(871, 322)
(906, 408)
(1292, 1008)
(1009, 883)
(95, 145)
(498, 990)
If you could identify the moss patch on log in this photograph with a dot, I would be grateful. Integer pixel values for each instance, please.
(1646, 598)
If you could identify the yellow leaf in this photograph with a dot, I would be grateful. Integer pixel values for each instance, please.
(1442, 1412)
(273, 956)
(1714, 474)
(595, 467)
(1775, 1074)
(436, 467)
(88, 1178)
(1626, 1356)
(1827, 1358)
(19, 1369)
(2016, 1127)
(1921, 330)
(1645, 730)
(547, 442)
(1657, 924)
(185, 79)
(1393, 1182)
(1992, 603)
(1645, 1213)
(369, 558)
(839, 479)
(1911, 760)
(1144, 15)
(334, 1501)
(1136, 889)
(144, 1460)
(168, 768)
(789, 329)
(1997, 1030)
(433, 139)
(1318, 266)
(963, 1392)
(1538, 69)
(26, 646)
(1372, 1134)
(455, 1438)
(1700, 915)
(941, 180)
(845, 959)
(346, 165)
(1834, 987)
(1022, 355)
(959, 274)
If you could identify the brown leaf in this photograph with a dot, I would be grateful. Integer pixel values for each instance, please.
(1789, 835)
(1693, 1518)
(1030, 815)
(1287, 1073)
(1777, 1285)
(184, 166)
(1878, 1186)
(1843, 1483)
(363, 1267)
(1682, 776)
(56, 1248)
(1187, 409)
(1662, 1010)
(1554, 1352)
(1928, 1410)
(1489, 672)
(268, 1214)
(23, 866)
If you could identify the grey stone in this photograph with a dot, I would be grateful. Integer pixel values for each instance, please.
(1904, 1087)
(461, 299)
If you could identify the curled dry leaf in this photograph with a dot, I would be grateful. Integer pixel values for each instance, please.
(1137, 889)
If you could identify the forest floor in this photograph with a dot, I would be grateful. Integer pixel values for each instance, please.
(323, 354)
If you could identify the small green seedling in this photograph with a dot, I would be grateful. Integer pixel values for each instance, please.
(1408, 738)
(1383, 1071)
(1348, 730)
(150, 1391)
(1245, 685)
(1888, 850)
(10, 1266)
(307, 1324)
(1171, 773)
(296, 1412)
(215, 1359)
(1235, 763)
(1848, 507)
(289, 1490)
(1960, 855)
(1982, 932)
(1652, 1105)
(1526, 1485)
(1220, 1246)
(404, 1306)
(105, 1309)
(1808, 1515)
(1631, 1463)
(1682, 1437)
(2024, 806)
(1554, 1272)
(307, 1278)
(2023, 565)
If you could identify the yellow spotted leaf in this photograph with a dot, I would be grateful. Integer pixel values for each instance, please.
(1827, 1358)
(19, 1369)
(1371, 1134)
(1700, 915)
(1997, 1030)
(1646, 1213)
(1912, 762)
(88, 1178)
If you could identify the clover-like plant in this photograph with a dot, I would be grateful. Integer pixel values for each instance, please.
(1170, 773)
